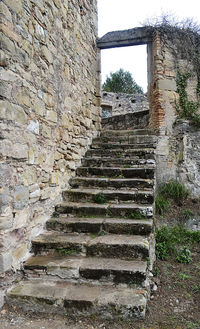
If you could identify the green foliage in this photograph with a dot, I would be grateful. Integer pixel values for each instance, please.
(187, 109)
(136, 215)
(183, 255)
(99, 198)
(121, 82)
(174, 190)
(161, 204)
(184, 276)
(187, 214)
(64, 251)
(168, 239)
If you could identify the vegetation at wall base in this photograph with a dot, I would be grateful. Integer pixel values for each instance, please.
(175, 241)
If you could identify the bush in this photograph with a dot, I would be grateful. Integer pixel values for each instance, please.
(183, 255)
(174, 190)
(169, 239)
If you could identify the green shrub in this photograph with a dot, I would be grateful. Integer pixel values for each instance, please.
(187, 214)
(174, 190)
(99, 198)
(161, 204)
(183, 255)
(169, 239)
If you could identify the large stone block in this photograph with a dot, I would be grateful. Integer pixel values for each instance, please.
(5, 261)
(167, 84)
(15, 5)
(12, 112)
(14, 150)
(21, 197)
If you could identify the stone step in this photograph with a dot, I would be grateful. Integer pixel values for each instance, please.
(100, 225)
(147, 153)
(96, 195)
(113, 183)
(122, 146)
(79, 300)
(119, 162)
(129, 132)
(86, 268)
(111, 210)
(147, 173)
(107, 246)
(129, 138)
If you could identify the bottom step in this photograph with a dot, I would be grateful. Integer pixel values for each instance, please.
(85, 300)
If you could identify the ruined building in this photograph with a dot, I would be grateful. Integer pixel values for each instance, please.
(49, 115)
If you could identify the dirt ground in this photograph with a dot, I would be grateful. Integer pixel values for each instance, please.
(174, 304)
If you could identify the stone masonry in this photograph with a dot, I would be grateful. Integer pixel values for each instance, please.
(50, 111)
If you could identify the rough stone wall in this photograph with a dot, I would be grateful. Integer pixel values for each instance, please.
(178, 154)
(50, 110)
(118, 103)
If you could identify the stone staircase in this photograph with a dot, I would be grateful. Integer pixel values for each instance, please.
(95, 255)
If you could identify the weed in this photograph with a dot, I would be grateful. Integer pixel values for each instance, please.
(120, 176)
(118, 155)
(93, 235)
(162, 205)
(183, 255)
(64, 252)
(187, 214)
(99, 198)
(184, 276)
(168, 239)
(136, 215)
(196, 288)
(174, 190)
(127, 166)
(156, 271)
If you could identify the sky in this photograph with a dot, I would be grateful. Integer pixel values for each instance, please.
(116, 15)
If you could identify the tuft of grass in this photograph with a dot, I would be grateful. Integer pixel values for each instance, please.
(99, 198)
(161, 204)
(187, 214)
(169, 239)
(174, 190)
(184, 276)
(136, 215)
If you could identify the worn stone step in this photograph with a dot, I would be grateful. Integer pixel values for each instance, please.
(79, 300)
(113, 183)
(122, 146)
(100, 225)
(86, 268)
(93, 195)
(108, 246)
(129, 132)
(111, 210)
(147, 153)
(147, 173)
(129, 138)
(119, 162)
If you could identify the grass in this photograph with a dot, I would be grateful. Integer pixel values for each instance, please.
(161, 204)
(170, 239)
(174, 190)
(64, 252)
(136, 215)
(99, 198)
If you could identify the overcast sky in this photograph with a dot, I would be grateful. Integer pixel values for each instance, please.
(120, 15)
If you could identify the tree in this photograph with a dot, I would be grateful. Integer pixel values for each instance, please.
(121, 82)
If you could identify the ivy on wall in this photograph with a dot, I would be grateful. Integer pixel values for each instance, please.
(187, 109)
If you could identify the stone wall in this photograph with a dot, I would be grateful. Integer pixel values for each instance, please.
(118, 103)
(50, 111)
(178, 155)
